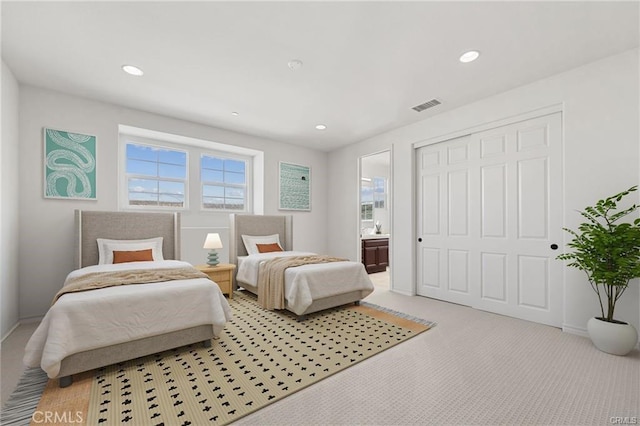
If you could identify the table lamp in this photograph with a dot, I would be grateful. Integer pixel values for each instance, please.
(212, 243)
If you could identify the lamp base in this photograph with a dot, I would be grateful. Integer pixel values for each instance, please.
(213, 258)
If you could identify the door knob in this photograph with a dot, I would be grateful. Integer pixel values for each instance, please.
(419, 240)
(554, 247)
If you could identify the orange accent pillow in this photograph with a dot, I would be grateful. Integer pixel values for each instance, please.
(268, 248)
(132, 256)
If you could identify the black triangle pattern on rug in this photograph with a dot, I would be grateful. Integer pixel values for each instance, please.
(262, 356)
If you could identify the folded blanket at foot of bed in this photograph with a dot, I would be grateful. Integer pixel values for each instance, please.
(271, 289)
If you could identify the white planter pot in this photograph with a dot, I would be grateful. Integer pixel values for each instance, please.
(616, 339)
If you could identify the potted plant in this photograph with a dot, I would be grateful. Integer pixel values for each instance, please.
(608, 250)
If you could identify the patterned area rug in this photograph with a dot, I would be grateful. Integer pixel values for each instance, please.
(261, 357)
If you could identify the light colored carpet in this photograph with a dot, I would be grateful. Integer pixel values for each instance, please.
(261, 357)
(474, 368)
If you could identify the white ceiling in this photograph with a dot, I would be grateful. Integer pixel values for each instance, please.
(365, 63)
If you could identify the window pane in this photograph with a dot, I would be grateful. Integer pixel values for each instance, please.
(366, 211)
(167, 169)
(213, 203)
(211, 176)
(232, 177)
(211, 163)
(143, 185)
(234, 204)
(142, 203)
(225, 180)
(230, 192)
(143, 192)
(171, 194)
(379, 185)
(141, 152)
(366, 194)
(234, 166)
(171, 171)
(142, 196)
(171, 200)
(142, 167)
(212, 191)
(169, 187)
(172, 157)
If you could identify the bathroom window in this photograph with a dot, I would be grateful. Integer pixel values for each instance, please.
(379, 192)
(366, 199)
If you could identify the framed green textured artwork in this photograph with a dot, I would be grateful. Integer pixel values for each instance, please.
(295, 187)
(69, 165)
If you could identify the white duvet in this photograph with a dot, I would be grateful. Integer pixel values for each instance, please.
(97, 318)
(304, 284)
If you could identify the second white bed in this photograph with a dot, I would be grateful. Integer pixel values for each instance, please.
(308, 285)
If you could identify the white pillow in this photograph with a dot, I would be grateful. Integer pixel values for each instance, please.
(107, 247)
(250, 242)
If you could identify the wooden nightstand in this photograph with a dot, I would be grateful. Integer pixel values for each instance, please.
(221, 274)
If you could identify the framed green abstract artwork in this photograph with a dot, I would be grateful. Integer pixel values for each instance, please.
(295, 187)
(69, 165)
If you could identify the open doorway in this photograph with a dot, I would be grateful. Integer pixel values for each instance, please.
(374, 216)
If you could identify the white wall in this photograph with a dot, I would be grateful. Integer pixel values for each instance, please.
(9, 204)
(601, 113)
(46, 225)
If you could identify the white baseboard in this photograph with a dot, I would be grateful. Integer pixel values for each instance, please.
(404, 293)
(583, 332)
(575, 330)
(10, 331)
(30, 320)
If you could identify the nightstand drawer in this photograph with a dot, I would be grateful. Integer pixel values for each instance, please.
(219, 276)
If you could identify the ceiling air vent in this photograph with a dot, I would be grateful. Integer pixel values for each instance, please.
(426, 105)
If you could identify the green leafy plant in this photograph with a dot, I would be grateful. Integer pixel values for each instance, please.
(608, 251)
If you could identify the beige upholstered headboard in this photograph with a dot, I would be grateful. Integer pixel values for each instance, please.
(91, 225)
(245, 224)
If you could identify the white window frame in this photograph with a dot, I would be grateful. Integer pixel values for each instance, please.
(367, 182)
(125, 176)
(248, 196)
(195, 148)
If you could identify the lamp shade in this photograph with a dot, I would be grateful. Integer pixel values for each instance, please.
(212, 241)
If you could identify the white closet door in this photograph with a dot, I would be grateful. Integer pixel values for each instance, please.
(489, 212)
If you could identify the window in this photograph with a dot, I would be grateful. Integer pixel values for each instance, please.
(366, 199)
(379, 192)
(161, 171)
(224, 183)
(156, 176)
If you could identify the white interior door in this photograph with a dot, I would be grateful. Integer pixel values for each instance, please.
(489, 213)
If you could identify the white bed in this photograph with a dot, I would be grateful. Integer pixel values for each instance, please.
(89, 329)
(308, 288)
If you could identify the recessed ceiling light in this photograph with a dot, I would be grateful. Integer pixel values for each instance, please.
(294, 64)
(133, 70)
(321, 126)
(234, 113)
(469, 56)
